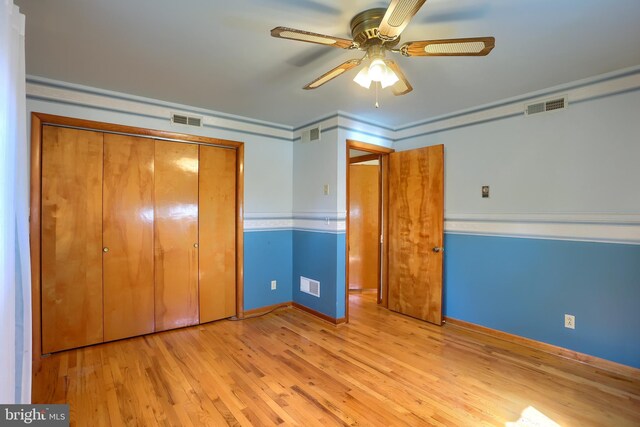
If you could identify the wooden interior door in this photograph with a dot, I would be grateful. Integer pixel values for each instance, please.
(217, 233)
(364, 226)
(416, 223)
(71, 267)
(128, 236)
(176, 234)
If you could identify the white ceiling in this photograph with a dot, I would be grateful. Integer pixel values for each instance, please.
(219, 54)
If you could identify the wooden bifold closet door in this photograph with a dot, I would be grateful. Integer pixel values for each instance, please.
(71, 237)
(128, 236)
(137, 235)
(217, 233)
(176, 234)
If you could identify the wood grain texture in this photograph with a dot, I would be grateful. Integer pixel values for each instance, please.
(267, 309)
(365, 146)
(364, 158)
(319, 315)
(240, 231)
(308, 37)
(364, 222)
(71, 238)
(288, 368)
(35, 238)
(128, 273)
(596, 362)
(383, 298)
(416, 226)
(217, 233)
(382, 154)
(38, 120)
(176, 235)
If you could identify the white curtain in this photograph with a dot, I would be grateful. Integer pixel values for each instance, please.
(15, 277)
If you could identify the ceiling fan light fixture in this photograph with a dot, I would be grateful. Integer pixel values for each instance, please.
(390, 78)
(363, 79)
(377, 69)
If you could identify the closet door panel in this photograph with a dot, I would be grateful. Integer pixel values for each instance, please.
(176, 234)
(71, 264)
(128, 236)
(217, 228)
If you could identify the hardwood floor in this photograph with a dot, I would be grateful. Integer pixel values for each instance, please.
(289, 368)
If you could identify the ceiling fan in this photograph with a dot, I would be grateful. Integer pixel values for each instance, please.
(377, 31)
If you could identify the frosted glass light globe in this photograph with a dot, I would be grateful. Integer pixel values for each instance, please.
(377, 70)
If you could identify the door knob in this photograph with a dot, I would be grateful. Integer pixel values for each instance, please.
(438, 249)
(105, 249)
(195, 245)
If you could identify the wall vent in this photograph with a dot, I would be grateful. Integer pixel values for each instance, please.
(559, 103)
(310, 286)
(311, 135)
(314, 134)
(183, 119)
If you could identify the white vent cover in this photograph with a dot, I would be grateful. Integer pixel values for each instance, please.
(310, 286)
(559, 103)
(311, 135)
(183, 119)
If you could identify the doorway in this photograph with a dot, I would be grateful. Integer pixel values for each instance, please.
(400, 258)
(365, 258)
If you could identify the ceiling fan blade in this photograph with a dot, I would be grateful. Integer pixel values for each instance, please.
(397, 17)
(402, 86)
(476, 46)
(332, 74)
(306, 36)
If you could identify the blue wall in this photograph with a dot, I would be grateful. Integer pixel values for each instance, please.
(525, 286)
(267, 257)
(320, 256)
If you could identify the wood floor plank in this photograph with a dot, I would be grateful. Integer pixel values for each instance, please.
(289, 368)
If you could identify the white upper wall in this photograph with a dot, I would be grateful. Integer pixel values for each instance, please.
(323, 162)
(582, 160)
(314, 166)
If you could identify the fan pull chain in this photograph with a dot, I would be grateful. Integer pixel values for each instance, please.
(377, 104)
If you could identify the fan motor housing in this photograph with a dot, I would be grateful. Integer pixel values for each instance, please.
(364, 28)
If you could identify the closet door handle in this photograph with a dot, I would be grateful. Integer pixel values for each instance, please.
(195, 245)
(105, 249)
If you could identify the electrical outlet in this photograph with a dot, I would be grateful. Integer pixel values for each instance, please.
(274, 284)
(569, 321)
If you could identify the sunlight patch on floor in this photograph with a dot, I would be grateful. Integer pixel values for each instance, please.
(531, 417)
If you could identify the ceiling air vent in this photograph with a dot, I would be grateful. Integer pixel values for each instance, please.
(183, 119)
(548, 105)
